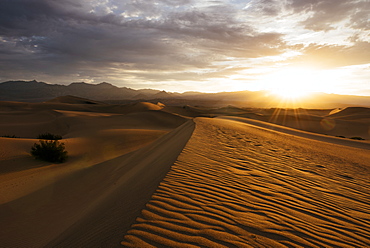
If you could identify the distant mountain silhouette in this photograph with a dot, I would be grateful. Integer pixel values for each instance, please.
(33, 91)
(163, 94)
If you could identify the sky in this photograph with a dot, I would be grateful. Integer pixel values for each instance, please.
(186, 45)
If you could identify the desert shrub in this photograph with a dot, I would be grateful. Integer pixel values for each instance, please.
(357, 138)
(49, 136)
(49, 150)
(340, 136)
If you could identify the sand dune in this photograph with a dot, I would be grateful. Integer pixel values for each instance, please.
(61, 118)
(352, 113)
(348, 122)
(333, 125)
(71, 103)
(235, 185)
(300, 133)
(138, 176)
(113, 158)
(187, 111)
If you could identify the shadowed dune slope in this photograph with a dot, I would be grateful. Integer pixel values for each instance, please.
(71, 103)
(352, 113)
(236, 185)
(187, 111)
(30, 123)
(73, 100)
(89, 206)
(118, 154)
(27, 121)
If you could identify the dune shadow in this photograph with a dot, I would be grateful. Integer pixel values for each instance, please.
(21, 164)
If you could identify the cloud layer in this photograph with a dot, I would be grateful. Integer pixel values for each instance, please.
(147, 43)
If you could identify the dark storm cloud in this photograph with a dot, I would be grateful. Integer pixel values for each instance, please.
(69, 37)
(36, 17)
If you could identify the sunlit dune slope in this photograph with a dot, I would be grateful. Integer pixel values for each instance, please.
(238, 185)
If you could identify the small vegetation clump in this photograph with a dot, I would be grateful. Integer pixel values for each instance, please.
(49, 150)
(357, 138)
(49, 136)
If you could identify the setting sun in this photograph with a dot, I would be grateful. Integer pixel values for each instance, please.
(294, 83)
(290, 90)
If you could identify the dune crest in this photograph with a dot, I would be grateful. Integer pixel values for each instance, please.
(147, 106)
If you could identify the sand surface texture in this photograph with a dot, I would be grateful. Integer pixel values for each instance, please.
(239, 185)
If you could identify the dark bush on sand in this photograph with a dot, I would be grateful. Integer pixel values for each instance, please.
(49, 150)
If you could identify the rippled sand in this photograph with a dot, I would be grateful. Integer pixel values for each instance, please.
(238, 185)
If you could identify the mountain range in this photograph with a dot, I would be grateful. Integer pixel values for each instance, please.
(34, 91)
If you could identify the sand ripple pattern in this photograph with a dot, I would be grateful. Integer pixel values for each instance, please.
(238, 186)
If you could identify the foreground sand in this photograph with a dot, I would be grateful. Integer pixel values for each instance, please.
(238, 185)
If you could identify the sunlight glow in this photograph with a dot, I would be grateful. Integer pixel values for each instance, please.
(289, 90)
(294, 82)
